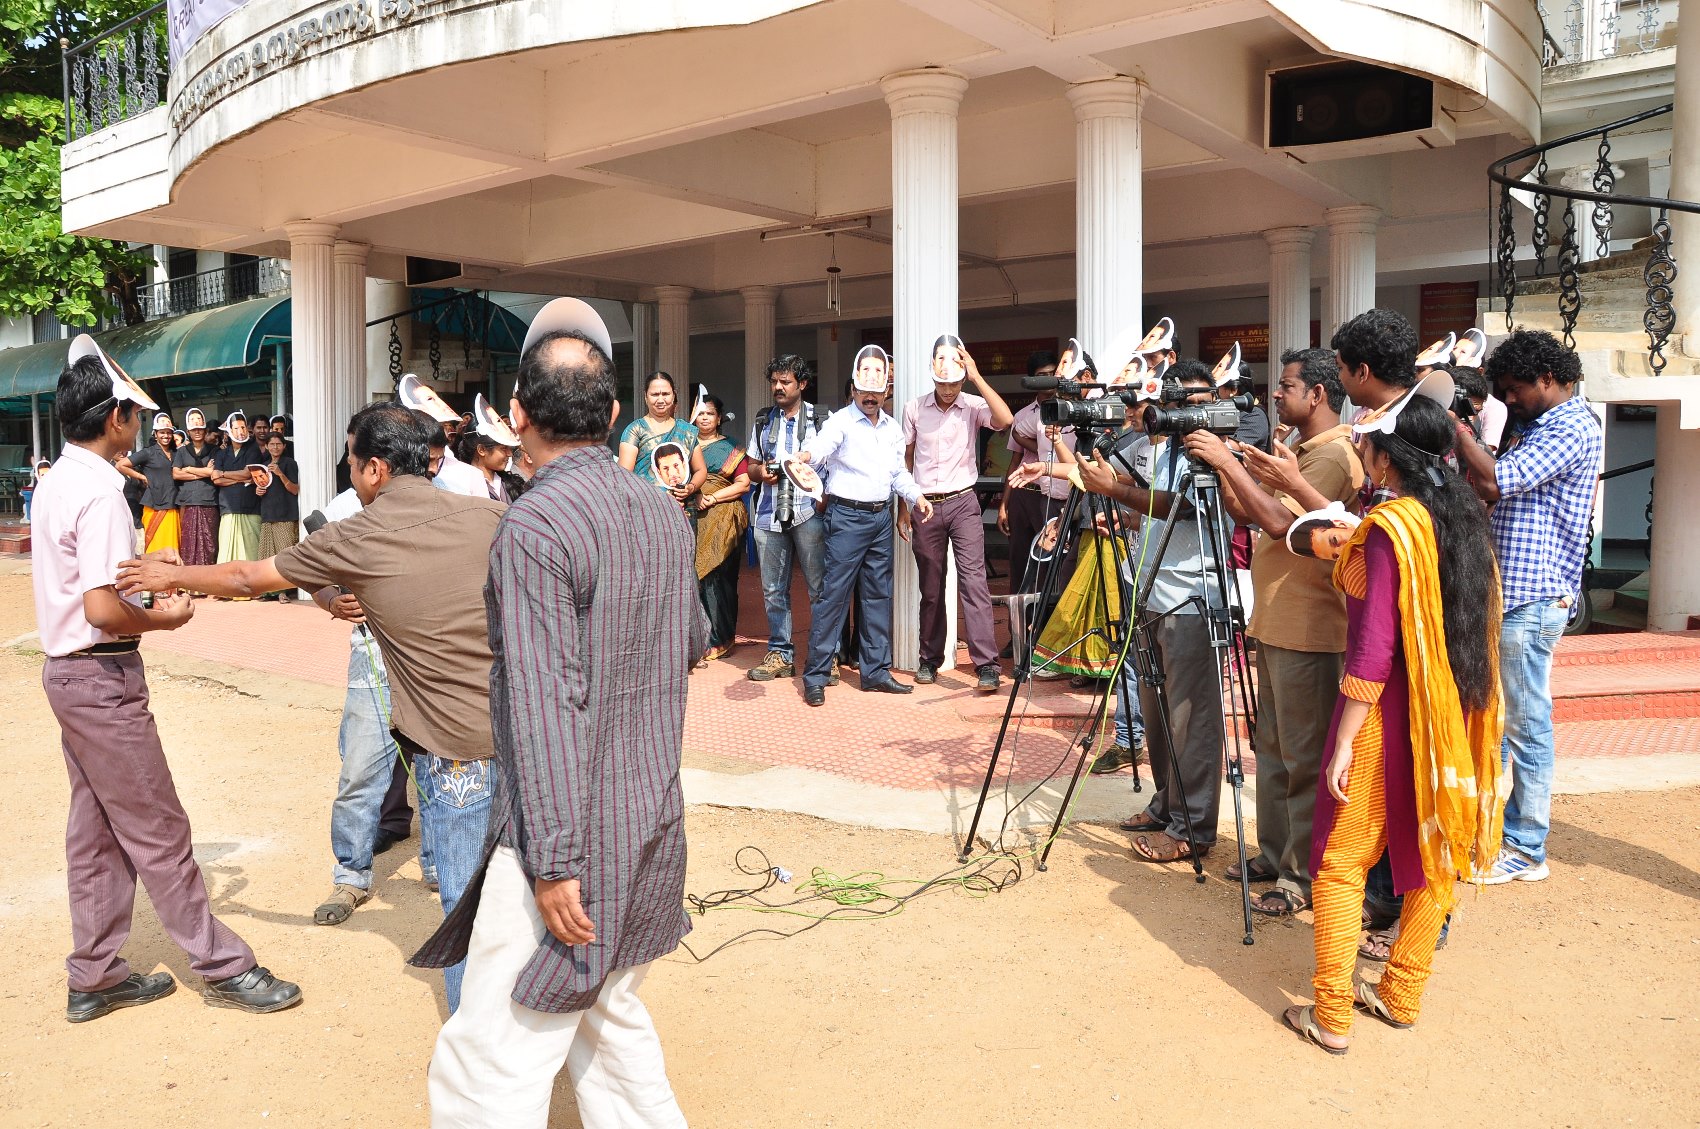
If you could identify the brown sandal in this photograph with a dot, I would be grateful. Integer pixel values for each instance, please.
(1255, 865)
(1279, 902)
(1142, 823)
(1304, 1021)
(1165, 848)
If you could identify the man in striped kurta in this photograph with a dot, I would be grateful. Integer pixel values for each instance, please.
(594, 625)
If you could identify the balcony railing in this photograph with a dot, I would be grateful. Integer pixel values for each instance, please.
(203, 291)
(117, 75)
(1582, 31)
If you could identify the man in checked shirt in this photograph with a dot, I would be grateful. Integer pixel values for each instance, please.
(1541, 489)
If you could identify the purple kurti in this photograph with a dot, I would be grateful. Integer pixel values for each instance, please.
(1375, 658)
(594, 624)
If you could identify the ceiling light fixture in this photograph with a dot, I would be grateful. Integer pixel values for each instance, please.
(826, 227)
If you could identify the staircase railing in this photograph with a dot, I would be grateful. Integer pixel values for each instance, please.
(1659, 272)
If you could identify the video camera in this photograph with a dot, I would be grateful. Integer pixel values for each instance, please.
(1220, 417)
(1462, 406)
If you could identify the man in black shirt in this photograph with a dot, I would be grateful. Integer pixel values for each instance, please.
(238, 499)
(197, 497)
(152, 466)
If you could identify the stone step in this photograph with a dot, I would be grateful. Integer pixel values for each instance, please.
(1587, 320)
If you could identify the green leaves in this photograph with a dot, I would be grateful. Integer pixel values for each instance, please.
(41, 267)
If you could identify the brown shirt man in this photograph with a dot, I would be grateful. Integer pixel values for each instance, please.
(418, 557)
(1298, 607)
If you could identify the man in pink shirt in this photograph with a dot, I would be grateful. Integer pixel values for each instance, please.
(125, 820)
(943, 436)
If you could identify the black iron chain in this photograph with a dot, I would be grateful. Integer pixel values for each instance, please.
(1659, 275)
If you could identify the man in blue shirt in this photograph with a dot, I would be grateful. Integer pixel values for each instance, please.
(783, 516)
(1542, 492)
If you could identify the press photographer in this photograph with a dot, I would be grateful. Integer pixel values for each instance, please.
(1542, 491)
(1182, 639)
(1298, 618)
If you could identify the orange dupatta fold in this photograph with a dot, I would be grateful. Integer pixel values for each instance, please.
(1460, 789)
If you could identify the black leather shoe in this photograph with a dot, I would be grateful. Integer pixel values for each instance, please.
(989, 677)
(927, 675)
(889, 686)
(134, 989)
(386, 840)
(815, 695)
(256, 990)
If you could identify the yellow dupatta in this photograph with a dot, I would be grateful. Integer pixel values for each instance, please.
(1460, 789)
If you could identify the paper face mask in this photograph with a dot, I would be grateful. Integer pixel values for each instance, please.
(492, 426)
(1322, 533)
(671, 466)
(803, 477)
(947, 360)
(123, 388)
(872, 370)
(413, 393)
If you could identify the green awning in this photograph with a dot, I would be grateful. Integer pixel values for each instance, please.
(227, 337)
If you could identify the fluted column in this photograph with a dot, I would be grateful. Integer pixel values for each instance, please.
(1108, 212)
(923, 107)
(1685, 185)
(759, 313)
(1289, 292)
(314, 363)
(1351, 264)
(348, 268)
(675, 322)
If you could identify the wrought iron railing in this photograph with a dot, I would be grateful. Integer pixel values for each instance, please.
(1580, 31)
(117, 75)
(1658, 272)
(203, 291)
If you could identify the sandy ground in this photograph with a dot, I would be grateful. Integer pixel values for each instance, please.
(1103, 992)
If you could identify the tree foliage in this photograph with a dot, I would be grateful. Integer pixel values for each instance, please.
(41, 267)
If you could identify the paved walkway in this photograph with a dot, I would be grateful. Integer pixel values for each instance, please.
(1628, 711)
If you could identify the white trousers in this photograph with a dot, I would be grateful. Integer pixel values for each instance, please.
(496, 1062)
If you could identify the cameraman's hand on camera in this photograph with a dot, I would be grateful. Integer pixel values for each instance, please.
(1097, 477)
(1207, 447)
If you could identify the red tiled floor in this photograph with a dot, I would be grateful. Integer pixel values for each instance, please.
(1617, 696)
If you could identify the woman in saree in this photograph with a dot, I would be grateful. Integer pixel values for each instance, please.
(1412, 760)
(658, 426)
(721, 521)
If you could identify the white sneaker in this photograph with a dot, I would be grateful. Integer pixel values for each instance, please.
(1513, 866)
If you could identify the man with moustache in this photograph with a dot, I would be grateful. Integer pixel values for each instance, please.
(859, 452)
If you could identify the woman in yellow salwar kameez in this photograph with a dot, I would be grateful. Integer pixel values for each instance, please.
(1412, 762)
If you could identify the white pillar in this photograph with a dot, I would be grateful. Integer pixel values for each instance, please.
(348, 290)
(760, 309)
(1685, 185)
(1108, 212)
(675, 318)
(313, 344)
(1673, 589)
(1351, 264)
(923, 279)
(35, 429)
(1289, 292)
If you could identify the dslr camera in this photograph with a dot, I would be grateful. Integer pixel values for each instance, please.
(1462, 406)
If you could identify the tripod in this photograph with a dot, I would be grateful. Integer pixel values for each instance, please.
(1114, 632)
(1215, 599)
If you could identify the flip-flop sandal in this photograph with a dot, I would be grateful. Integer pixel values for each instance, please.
(1180, 850)
(1378, 946)
(1368, 998)
(1303, 1021)
(1141, 823)
(1290, 903)
(1259, 872)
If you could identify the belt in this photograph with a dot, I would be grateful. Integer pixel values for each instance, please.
(948, 495)
(121, 647)
(1033, 486)
(865, 507)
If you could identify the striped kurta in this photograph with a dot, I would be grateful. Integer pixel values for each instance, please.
(594, 626)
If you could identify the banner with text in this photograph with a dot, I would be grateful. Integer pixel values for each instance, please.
(190, 19)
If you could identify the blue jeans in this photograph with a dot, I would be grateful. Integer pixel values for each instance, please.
(368, 754)
(858, 543)
(1130, 723)
(1526, 643)
(454, 813)
(805, 542)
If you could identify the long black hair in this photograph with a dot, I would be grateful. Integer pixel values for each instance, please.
(1422, 440)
